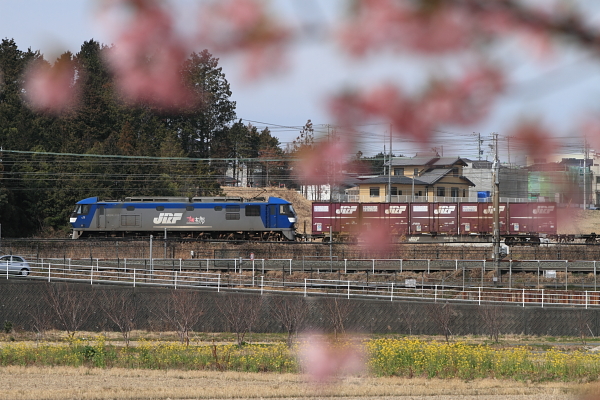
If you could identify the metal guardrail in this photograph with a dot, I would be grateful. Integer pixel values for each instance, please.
(249, 280)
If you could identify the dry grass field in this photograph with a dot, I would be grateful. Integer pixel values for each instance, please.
(61, 383)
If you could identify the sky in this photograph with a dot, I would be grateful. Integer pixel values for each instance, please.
(558, 88)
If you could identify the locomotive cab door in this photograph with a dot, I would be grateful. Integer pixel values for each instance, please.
(272, 216)
(101, 217)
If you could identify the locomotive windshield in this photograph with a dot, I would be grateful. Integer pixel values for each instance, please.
(287, 210)
(82, 209)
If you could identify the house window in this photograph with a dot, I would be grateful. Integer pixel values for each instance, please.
(454, 192)
(374, 192)
(455, 171)
(416, 172)
(598, 179)
(394, 191)
(441, 191)
(398, 171)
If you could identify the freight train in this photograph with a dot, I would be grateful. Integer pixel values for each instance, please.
(220, 218)
(520, 223)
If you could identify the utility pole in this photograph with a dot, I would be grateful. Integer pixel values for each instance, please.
(585, 156)
(496, 199)
(389, 196)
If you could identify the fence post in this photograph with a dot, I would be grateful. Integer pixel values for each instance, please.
(435, 294)
(586, 299)
(479, 296)
(218, 283)
(456, 265)
(175, 283)
(373, 266)
(523, 297)
(253, 272)
(538, 272)
(542, 298)
(348, 290)
(392, 292)
(304, 287)
(566, 275)
(262, 284)
(595, 275)
(263, 266)
(180, 265)
(482, 272)
(510, 274)
(92, 274)
(49, 267)
(345, 266)
(290, 266)
(400, 265)
(428, 264)
(134, 277)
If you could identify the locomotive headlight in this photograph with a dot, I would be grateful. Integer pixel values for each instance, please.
(73, 220)
(292, 220)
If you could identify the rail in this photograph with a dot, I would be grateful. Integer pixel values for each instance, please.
(410, 289)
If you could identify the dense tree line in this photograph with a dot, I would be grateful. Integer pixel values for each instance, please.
(106, 146)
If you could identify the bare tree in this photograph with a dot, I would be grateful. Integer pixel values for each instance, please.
(443, 315)
(121, 307)
(583, 320)
(291, 312)
(337, 311)
(408, 313)
(493, 318)
(240, 312)
(41, 318)
(182, 311)
(72, 308)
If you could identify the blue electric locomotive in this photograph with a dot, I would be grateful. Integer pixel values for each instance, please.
(226, 218)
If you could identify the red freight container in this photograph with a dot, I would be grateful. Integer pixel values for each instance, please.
(341, 217)
(420, 218)
(532, 217)
(445, 218)
(398, 216)
(478, 218)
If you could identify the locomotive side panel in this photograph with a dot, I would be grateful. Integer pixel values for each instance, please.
(273, 218)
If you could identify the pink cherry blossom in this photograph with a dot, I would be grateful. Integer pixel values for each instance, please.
(534, 140)
(51, 88)
(147, 56)
(244, 26)
(323, 163)
(324, 359)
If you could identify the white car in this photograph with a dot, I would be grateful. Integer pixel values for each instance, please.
(14, 265)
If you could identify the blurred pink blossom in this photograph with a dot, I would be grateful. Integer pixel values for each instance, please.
(244, 26)
(534, 140)
(464, 101)
(323, 163)
(51, 88)
(401, 24)
(323, 359)
(378, 238)
(147, 55)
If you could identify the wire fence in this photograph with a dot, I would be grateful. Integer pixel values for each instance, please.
(253, 275)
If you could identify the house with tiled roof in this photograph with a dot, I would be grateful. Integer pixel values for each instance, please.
(423, 178)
